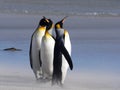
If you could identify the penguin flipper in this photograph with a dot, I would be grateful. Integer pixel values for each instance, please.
(30, 54)
(40, 59)
(66, 55)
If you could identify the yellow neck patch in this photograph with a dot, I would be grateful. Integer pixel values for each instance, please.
(47, 34)
(42, 28)
(66, 32)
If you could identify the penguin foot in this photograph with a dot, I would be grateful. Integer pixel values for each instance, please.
(38, 75)
(44, 80)
(57, 82)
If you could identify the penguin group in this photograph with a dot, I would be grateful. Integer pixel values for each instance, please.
(50, 51)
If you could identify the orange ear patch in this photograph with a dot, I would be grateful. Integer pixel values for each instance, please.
(47, 20)
(58, 26)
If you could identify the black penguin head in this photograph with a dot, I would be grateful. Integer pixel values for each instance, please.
(49, 24)
(59, 24)
(44, 21)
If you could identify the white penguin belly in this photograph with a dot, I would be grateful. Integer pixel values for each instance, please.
(47, 52)
(36, 46)
(65, 64)
(35, 54)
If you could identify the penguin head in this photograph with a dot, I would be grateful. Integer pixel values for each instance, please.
(43, 22)
(59, 28)
(59, 24)
(49, 24)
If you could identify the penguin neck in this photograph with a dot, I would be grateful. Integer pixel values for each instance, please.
(41, 28)
(47, 34)
(59, 32)
(50, 31)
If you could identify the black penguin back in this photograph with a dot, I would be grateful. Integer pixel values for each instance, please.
(57, 63)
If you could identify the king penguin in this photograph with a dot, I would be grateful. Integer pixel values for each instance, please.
(35, 48)
(47, 50)
(62, 54)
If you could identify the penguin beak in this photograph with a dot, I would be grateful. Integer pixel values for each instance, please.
(53, 25)
(63, 20)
